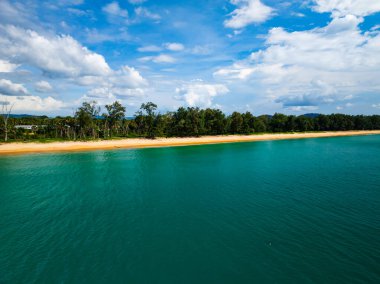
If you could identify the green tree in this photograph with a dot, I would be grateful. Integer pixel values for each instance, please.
(304, 123)
(149, 119)
(259, 125)
(86, 115)
(248, 120)
(236, 123)
(278, 122)
(115, 114)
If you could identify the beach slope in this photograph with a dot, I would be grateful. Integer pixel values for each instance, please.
(19, 148)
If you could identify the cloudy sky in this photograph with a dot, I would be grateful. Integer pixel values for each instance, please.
(263, 56)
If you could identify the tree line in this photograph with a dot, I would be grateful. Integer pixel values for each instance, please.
(89, 122)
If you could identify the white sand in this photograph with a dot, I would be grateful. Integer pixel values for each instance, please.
(15, 148)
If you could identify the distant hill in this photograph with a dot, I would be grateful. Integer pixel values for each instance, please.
(311, 115)
(24, 115)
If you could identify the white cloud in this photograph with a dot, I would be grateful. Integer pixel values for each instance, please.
(174, 46)
(70, 2)
(101, 92)
(161, 58)
(248, 12)
(54, 55)
(8, 88)
(144, 12)
(299, 15)
(136, 2)
(114, 9)
(105, 95)
(312, 67)
(149, 48)
(303, 108)
(15, 13)
(238, 71)
(78, 12)
(124, 83)
(43, 87)
(128, 93)
(347, 105)
(88, 80)
(347, 7)
(61, 57)
(376, 106)
(200, 94)
(6, 66)
(33, 103)
(127, 77)
(100, 36)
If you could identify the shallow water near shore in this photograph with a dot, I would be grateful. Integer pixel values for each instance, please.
(292, 211)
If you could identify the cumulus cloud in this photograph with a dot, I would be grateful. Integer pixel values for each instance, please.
(54, 55)
(15, 13)
(347, 7)
(6, 66)
(127, 77)
(313, 67)
(8, 88)
(161, 58)
(124, 83)
(43, 87)
(63, 57)
(112, 92)
(108, 94)
(174, 46)
(33, 103)
(114, 9)
(60, 57)
(248, 12)
(101, 92)
(199, 93)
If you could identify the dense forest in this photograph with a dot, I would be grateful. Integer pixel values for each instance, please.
(90, 123)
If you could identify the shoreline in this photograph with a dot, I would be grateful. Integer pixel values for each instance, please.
(132, 143)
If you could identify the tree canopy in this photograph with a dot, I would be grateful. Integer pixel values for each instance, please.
(87, 123)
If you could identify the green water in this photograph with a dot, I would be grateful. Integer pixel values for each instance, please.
(297, 211)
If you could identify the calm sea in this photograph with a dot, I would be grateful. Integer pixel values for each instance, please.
(297, 211)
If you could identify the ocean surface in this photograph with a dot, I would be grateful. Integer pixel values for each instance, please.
(295, 211)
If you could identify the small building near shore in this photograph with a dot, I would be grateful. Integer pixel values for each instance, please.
(29, 127)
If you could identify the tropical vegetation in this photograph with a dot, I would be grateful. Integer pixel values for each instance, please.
(90, 123)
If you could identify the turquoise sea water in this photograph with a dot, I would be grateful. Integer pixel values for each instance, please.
(297, 211)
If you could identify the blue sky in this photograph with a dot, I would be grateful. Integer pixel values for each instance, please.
(247, 55)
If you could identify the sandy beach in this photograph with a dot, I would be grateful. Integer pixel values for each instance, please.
(32, 147)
